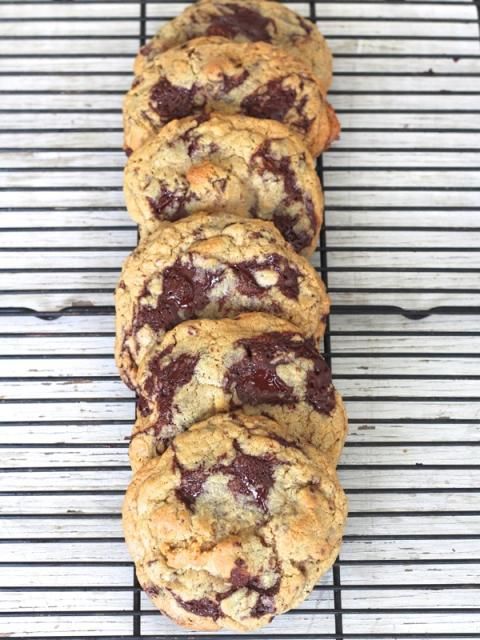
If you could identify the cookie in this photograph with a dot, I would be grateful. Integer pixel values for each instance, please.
(211, 267)
(227, 163)
(256, 361)
(245, 21)
(233, 524)
(215, 74)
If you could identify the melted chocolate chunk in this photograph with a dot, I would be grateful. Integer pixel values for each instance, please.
(252, 476)
(165, 379)
(285, 224)
(287, 276)
(280, 167)
(151, 590)
(146, 49)
(171, 101)
(272, 101)
(232, 82)
(191, 485)
(305, 24)
(240, 21)
(128, 151)
(169, 205)
(303, 122)
(239, 575)
(143, 407)
(264, 605)
(319, 391)
(285, 443)
(185, 293)
(203, 607)
(254, 378)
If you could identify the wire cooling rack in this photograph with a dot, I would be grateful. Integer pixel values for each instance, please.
(401, 250)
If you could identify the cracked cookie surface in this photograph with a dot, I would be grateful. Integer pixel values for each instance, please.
(245, 21)
(233, 523)
(215, 74)
(255, 361)
(211, 267)
(251, 168)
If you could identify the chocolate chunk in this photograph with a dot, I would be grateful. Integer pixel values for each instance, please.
(319, 391)
(165, 379)
(254, 378)
(252, 476)
(146, 49)
(151, 590)
(171, 101)
(271, 100)
(287, 276)
(143, 406)
(239, 575)
(280, 167)
(191, 485)
(241, 21)
(232, 82)
(264, 605)
(128, 151)
(203, 607)
(285, 223)
(169, 205)
(185, 292)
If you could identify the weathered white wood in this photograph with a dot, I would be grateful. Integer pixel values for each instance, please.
(403, 46)
(100, 479)
(13, 259)
(82, 626)
(24, 13)
(87, 576)
(410, 574)
(422, 623)
(73, 434)
(66, 367)
(409, 478)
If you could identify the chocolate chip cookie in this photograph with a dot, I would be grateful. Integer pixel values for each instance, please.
(233, 524)
(227, 163)
(211, 267)
(245, 21)
(256, 361)
(215, 74)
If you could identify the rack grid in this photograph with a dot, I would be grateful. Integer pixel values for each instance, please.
(402, 242)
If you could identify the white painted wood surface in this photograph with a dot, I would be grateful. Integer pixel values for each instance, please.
(403, 251)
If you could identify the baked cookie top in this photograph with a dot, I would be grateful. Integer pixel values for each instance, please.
(233, 523)
(245, 21)
(248, 167)
(256, 361)
(211, 267)
(215, 74)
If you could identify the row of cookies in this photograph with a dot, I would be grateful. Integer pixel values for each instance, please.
(234, 511)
